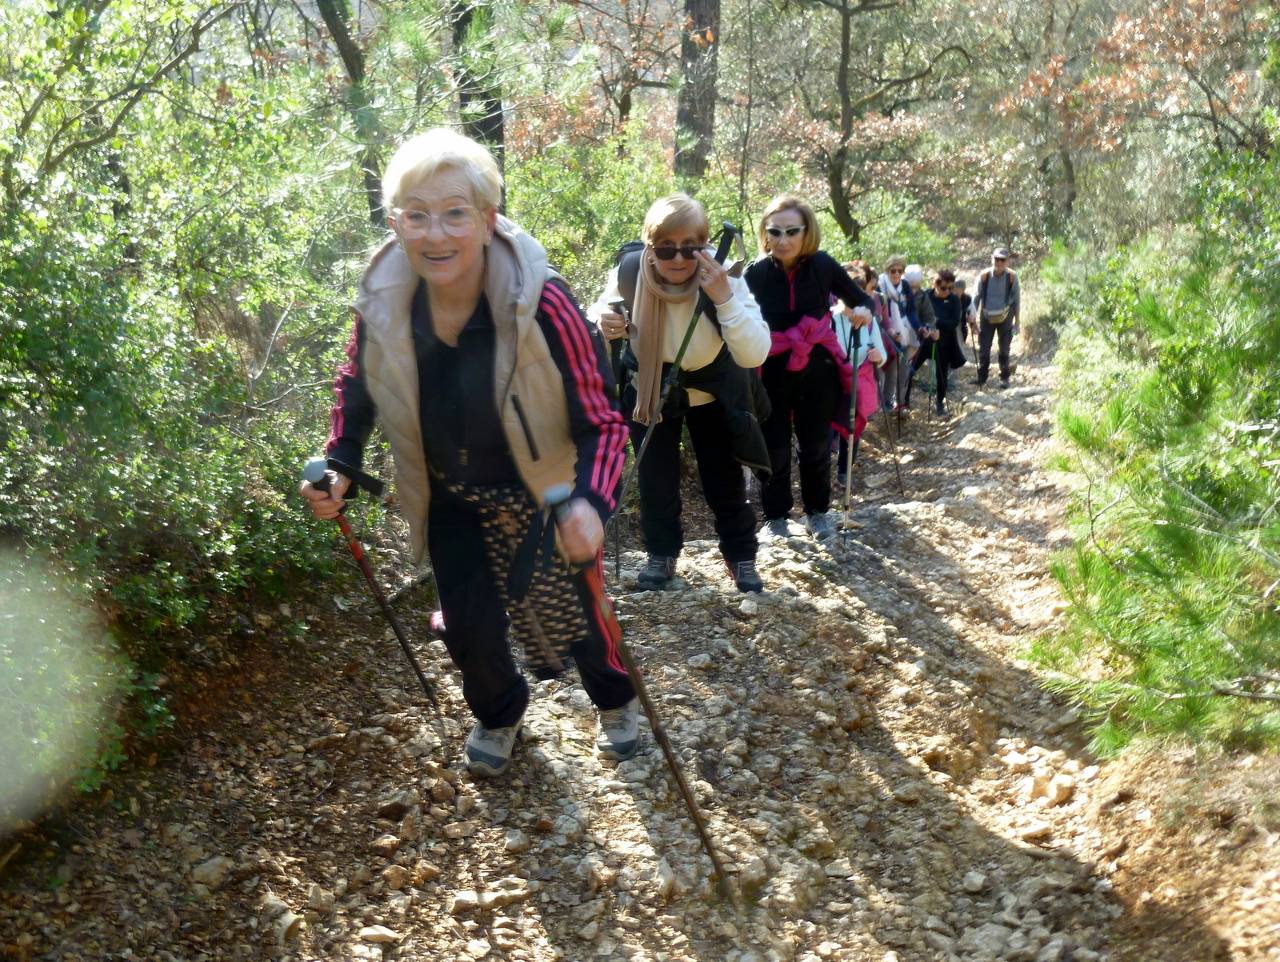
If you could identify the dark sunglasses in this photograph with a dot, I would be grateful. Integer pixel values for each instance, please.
(944, 288)
(668, 251)
(783, 231)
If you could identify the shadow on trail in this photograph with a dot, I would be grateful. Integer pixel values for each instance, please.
(910, 839)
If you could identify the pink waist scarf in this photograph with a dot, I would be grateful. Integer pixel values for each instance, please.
(802, 337)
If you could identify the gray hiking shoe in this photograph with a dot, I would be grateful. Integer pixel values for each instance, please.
(820, 525)
(657, 571)
(775, 528)
(488, 750)
(619, 734)
(745, 575)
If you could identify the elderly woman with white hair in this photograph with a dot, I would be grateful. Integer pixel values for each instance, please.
(492, 389)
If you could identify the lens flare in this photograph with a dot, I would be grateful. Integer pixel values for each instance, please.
(61, 680)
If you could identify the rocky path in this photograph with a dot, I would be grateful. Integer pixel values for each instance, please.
(885, 779)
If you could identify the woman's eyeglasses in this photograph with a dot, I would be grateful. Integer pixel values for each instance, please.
(783, 231)
(943, 288)
(456, 221)
(667, 252)
(895, 270)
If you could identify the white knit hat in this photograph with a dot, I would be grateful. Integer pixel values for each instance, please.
(914, 274)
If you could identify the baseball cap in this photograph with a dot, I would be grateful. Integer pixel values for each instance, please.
(1000, 253)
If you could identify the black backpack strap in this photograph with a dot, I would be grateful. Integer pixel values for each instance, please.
(629, 277)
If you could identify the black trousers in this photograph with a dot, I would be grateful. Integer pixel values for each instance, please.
(476, 623)
(930, 349)
(804, 402)
(985, 332)
(723, 484)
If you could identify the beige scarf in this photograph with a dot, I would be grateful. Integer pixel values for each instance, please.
(649, 315)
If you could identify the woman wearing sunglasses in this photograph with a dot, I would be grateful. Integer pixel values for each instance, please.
(807, 372)
(658, 288)
(944, 349)
(492, 389)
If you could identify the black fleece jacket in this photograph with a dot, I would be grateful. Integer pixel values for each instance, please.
(805, 290)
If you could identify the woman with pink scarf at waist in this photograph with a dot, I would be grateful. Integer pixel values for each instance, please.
(807, 372)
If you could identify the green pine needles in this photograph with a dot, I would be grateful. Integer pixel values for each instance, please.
(1172, 414)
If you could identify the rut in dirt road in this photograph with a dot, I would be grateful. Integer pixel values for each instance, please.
(885, 780)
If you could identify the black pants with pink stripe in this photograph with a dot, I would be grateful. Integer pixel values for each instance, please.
(477, 623)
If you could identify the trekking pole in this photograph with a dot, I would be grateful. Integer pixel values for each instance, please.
(933, 376)
(856, 336)
(557, 499)
(316, 471)
(727, 234)
(893, 445)
(619, 307)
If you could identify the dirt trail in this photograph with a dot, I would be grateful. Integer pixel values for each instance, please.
(887, 781)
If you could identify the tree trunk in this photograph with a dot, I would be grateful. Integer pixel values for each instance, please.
(838, 162)
(744, 155)
(479, 99)
(1069, 179)
(696, 104)
(841, 209)
(336, 16)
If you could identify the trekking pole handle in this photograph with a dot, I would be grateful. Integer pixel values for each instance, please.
(619, 307)
(317, 470)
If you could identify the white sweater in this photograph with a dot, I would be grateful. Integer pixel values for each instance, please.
(742, 328)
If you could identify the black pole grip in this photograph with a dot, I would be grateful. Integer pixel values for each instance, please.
(727, 233)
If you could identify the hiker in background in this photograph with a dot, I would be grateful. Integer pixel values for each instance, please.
(901, 308)
(945, 347)
(996, 303)
(492, 388)
(807, 371)
(926, 333)
(659, 285)
(867, 358)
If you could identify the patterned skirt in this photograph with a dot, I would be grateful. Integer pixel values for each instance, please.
(535, 584)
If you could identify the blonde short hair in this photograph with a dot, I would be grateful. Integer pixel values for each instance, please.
(897, 260)
(673, 213)
(812, 237)
(420, 157)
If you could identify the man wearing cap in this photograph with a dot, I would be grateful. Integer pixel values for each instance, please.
(996, 304)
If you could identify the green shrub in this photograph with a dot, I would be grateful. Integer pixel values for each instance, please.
(1172, 411)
